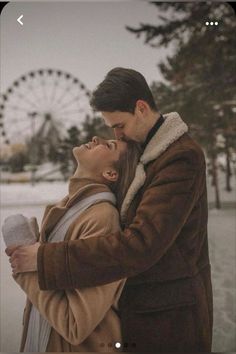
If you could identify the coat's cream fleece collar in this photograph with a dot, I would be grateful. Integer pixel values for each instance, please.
(171, 130)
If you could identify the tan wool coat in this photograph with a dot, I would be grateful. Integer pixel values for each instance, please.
(85, 319)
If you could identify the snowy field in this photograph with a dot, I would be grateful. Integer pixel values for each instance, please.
(31, 200)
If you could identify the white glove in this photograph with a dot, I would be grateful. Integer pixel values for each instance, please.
(20, 230)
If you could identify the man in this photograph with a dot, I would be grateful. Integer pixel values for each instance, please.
(166, 304)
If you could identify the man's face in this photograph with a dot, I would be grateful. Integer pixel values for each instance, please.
(127, 126)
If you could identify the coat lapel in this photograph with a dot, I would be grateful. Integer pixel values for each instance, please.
(78, 190)
(53, 215)
(170, 131)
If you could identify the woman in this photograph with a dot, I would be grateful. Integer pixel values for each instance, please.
(83, 319)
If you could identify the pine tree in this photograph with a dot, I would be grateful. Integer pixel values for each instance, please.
(90, 127)
(93, 126)
(199, 74)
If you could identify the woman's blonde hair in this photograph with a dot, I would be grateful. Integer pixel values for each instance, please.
(126, 167)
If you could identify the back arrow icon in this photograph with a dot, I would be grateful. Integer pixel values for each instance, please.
(19, 20)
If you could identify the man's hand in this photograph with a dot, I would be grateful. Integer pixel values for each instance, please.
(23, 258)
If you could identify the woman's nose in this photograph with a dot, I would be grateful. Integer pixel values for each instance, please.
(96, 140)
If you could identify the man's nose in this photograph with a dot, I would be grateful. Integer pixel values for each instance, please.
(118, 133)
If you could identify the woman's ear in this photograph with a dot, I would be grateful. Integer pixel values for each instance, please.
(110, 175)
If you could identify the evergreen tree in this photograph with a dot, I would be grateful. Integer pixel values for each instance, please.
(93, 126)
(200, 74)
(64, 154)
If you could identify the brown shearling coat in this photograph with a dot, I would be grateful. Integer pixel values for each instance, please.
(82, 320)
(166, 304)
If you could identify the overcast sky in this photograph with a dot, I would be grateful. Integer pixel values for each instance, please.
(86, 39)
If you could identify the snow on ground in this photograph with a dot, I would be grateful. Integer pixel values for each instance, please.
(222, 247)
(24, 194)
(31, 200)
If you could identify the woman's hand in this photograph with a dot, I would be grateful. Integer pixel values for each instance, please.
(23, 258)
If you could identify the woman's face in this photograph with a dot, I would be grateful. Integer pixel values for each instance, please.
(99, 154)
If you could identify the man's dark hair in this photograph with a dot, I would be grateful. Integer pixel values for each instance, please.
(120, 90)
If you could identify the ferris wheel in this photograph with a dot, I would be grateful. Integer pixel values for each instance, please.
(42, 104)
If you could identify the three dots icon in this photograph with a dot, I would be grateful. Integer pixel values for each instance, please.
(211, 23)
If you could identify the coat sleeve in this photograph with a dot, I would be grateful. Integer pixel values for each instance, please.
(74, 314)
(165, 206)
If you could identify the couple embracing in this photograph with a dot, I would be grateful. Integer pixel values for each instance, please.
(122, 262)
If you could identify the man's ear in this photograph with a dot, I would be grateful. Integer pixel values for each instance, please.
(141, 107)
(110, 175)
